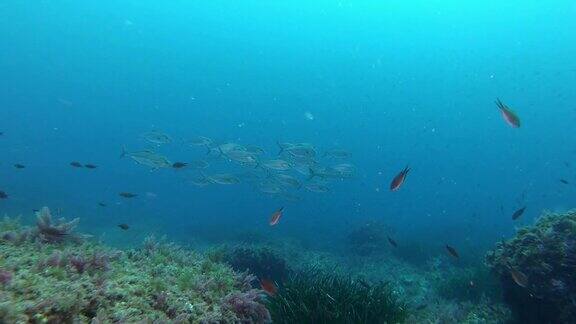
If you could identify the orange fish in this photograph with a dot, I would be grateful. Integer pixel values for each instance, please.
(509, 116)
(276, 217)
(399, 179)
(268, 286)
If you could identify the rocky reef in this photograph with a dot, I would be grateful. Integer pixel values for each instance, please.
(537, 269)
(368, 238)
(49, 274)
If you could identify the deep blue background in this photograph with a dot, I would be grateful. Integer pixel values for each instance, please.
(394, 82)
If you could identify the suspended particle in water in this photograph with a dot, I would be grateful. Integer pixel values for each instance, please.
(308, 115)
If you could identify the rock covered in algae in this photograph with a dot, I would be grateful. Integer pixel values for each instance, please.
(66, 281)
(546, 255)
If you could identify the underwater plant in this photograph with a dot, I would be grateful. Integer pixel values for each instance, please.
(537, 270)
(247, 306)
(313, 296)
(263, 262)
(50, 232)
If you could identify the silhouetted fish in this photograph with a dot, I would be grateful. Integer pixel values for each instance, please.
(452, 251)
(518, 213)
(392, 242)
(101, 204)
(127, 195)
(509, 116)
(124, 226)
(421, 306)
(179, 165)
(3, 195)
(564, 181)
(399, 179)
(276, 216)
(76, 164)
(19, 166)
(90, 166)
(519, 278)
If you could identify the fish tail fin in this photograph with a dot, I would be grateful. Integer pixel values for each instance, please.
(500, 104)
(123, 154)
(280, 146)
(312, 174)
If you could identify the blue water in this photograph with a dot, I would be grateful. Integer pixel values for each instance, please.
(395, 83)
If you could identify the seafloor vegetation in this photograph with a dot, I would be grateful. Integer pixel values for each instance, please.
(49, 273)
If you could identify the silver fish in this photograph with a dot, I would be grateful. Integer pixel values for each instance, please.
(323, 172)
(229, 147)
(224, 179)
(157, 137)
(243, 157)
(200, 141)
(200, 181)
(276, 165)
(198, 164)
(302, 150)
(269, 187)
(316, 187)
(345, 170)
(337, 154)
(148, 158)
(254, 150)
(287, 181)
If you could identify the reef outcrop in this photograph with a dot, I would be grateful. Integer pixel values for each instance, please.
(537, 269)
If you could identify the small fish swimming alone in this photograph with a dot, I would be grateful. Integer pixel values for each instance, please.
(399, 179)
(19, 166)
(509, 116)
(564, 181)
(276, 216)
(127, 195)
(519, 277)
(518, 213)
(179, 165)
(3, 195)
(101, 204)
(90, 166)
(76, 164)
(392, 242)
(124, 226)
(268, 286)
(452, 251)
